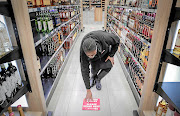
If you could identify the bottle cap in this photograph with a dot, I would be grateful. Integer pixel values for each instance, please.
(18, 106)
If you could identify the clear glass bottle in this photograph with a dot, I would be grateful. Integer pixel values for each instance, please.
(5, 44)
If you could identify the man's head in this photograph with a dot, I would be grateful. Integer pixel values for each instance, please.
(90, 48)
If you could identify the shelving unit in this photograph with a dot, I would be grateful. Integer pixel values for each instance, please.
(126, 70)
(49, 7)
(125, 27)
(39, 38)
(44, 62)
(135, 8)
(122, 27)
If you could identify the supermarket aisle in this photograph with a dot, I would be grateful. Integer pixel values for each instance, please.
(116, 98)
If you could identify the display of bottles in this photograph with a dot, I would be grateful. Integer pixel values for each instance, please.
(51, 44)
(10, 83)
(5, 44)
(55, 65)
(141, 23)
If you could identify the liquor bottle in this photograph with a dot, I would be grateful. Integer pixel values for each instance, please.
(20, 110)
(44, 19)
(176, 50)
(10, 110)
(12, 114)
(160, 107)
(50, 23)
(38, 23)
(5, 44)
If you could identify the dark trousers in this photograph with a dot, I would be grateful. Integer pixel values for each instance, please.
(98, 65)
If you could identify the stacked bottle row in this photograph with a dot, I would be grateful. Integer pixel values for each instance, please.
(42, 3)
(136, 73)
(152, 4)
(47, 20)
(49, 46)
(55, 65)
(10, 83)
(138, 48)
(140, 22)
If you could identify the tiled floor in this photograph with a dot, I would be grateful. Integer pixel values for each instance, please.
(116, 98)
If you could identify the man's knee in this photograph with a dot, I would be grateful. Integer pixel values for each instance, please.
(107, 70)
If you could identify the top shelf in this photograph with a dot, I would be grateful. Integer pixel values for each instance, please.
(49, 7)
(169, 57)
(136, 8)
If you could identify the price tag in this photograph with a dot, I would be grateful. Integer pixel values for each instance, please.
(35, 9)
(42, 8)
(30, 10)
(47, 36)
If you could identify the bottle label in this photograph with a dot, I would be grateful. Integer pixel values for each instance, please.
(50, 25)
(44, 25)
(39, 25)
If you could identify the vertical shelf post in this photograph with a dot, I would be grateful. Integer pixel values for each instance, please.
(105, 13)
(36, 100)
(161, 23)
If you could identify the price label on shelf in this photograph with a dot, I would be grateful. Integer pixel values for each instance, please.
(30, 10)
(35, 9)
(42, 8)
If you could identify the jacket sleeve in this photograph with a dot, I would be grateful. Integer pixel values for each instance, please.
(113, 40)
(85, 68)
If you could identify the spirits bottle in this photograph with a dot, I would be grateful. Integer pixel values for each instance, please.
(20, 110)
(38, 23)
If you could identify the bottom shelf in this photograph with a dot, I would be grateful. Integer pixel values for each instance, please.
(135, 93)
(170, 92)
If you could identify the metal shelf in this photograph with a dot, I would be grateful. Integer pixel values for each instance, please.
(49, 7)
(128, 77)
(15, 54)
(170, 58)
(143, 40)
(128, 50)
(136, 8)
(19, 94)
(39, 38)
(44, 64)
(170, 92)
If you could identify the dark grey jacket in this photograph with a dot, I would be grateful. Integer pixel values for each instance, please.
(104, 40)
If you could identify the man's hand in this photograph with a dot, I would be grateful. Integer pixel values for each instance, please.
(89, 96)
(111, 59)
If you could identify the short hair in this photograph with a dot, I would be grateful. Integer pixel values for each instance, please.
(89, 45)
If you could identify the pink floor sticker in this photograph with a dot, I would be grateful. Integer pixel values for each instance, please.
(92, 105)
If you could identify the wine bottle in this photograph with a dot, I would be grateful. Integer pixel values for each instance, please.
(10, 110)
(12, 114)
(20, 110)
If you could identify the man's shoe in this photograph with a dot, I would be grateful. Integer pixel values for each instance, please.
(92, 81)
(98, 84)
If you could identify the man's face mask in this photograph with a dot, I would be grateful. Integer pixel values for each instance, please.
(92, 54)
